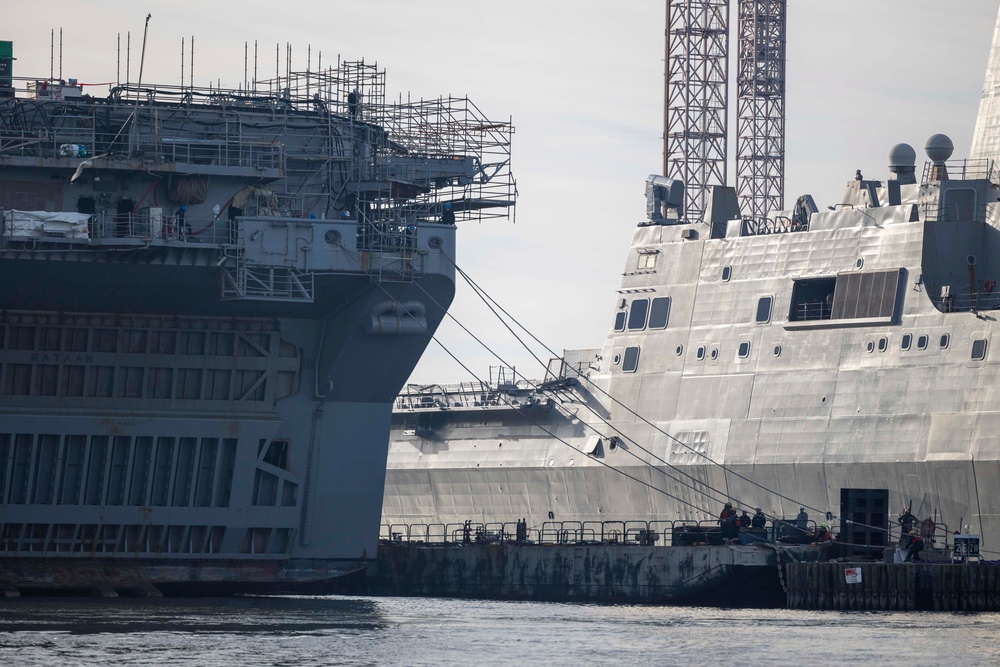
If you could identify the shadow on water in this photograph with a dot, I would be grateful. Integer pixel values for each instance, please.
(239, 615)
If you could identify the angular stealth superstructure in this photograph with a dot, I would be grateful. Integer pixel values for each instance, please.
(772, 362)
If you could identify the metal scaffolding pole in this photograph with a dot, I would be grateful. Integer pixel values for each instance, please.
(760, 162)
(697, 98)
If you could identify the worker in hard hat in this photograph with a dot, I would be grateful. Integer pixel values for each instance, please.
(916, 546)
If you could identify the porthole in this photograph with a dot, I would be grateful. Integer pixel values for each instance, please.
(700, 353)
(871, 346)
(618, 359)
(715, 353)
(552, 462)
(945, 340)
(922, 342)
(744, 349)
(679, 350)
(727, 273)
(883, 344)
(571, 462)
(859, 263)
(332, 236)
(777, 350)
(906, 342)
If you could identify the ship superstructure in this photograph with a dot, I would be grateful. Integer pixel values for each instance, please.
(775, 361)
(210, 299)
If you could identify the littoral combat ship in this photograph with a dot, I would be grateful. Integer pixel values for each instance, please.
(776, 362)
(210, 299)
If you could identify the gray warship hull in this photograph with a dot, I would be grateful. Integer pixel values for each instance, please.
(773, 362)
(210, 300)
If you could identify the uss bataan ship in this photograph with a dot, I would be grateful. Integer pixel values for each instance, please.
(775, 362)
(210, 299)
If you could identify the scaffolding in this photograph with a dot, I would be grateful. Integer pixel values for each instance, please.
(697, 99)
(760, 162)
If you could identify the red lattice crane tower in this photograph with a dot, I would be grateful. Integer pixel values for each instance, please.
(696, 105)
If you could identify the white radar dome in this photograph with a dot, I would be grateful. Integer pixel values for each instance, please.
(902, 155)
(939, 148)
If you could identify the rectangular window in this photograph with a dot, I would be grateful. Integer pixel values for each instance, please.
(620, 320)
(979, 349)
(637, 314)
(764, 310)
(848, 296)
(647, 260)
(744, 350)
(659, 313)
(630, 362)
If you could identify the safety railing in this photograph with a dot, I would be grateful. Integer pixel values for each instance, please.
(647, 533)
(644, 533)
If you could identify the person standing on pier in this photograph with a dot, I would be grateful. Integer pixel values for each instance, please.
(802, 520)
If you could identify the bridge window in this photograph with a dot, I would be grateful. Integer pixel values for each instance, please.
(637, 315)
(659, 313)
(848, 296)
(620, 320)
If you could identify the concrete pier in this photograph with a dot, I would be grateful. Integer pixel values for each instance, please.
(893, 587)
(724, 575)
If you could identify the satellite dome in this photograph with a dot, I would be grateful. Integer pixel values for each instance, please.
(902, 155)
(939, 148)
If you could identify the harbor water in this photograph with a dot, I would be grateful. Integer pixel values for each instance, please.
(423, 631)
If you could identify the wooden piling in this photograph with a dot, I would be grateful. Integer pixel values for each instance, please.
(894, 586)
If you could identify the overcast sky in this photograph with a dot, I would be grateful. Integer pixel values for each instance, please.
(583, 83)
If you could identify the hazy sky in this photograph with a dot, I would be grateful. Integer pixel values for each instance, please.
(583, 82)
